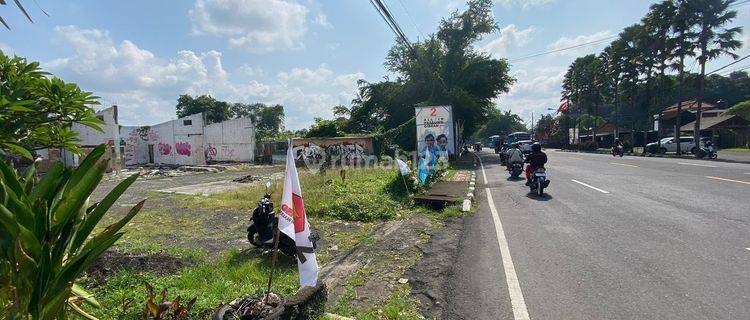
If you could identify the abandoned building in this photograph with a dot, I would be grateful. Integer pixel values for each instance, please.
(184, 141)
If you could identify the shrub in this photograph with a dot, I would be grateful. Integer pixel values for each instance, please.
(45, 242)
(589, 146)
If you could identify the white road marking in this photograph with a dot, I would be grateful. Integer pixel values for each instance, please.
(514, 287)
(484, 175)
(590, 186)
(697, 164)
(624, 164)
(730, 180)
(747, 248)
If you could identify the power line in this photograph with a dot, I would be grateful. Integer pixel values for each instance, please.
(729, 64)
(413, 22)
(563, 49)
(728, 72)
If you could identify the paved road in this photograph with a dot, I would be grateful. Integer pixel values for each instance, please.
(660, 239)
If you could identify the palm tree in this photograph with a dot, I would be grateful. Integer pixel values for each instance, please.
(682, 41)
(657, 23)
(615, 63)
(713, 40)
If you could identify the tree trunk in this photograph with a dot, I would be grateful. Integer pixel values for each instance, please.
(678, 120)
(617, 110)
(701, 88)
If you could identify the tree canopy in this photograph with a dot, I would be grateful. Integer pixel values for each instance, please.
(444, 69)
(38, 111)
(268, 119)
(630, 80)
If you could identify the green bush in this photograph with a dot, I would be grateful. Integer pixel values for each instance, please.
(589, 146)
(45, 236)
(654, 148)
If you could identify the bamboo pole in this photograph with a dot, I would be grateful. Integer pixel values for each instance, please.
(273, 263)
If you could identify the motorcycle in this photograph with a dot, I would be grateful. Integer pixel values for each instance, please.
(516, 169)
(260, 232)
(708, 151)
(539, 181)
(618, 151)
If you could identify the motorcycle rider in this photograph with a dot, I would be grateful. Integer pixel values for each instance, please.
(514, 155)
(617, 146)
(536, 159)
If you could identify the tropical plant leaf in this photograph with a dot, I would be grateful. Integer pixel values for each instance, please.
(75, 199)
(20, 6)
(93, 218)
(83, 168)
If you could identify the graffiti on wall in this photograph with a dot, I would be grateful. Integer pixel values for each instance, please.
(225, 153)
(136, 138)
(344, 153)
(183, 148)
(165, 149)
(210, 153)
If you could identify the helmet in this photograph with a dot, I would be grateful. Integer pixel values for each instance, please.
(536, 147)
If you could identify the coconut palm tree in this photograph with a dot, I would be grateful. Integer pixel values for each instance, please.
(682, 40)
(657, 23)
(714, 40)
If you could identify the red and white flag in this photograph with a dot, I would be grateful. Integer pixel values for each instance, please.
(293, 222)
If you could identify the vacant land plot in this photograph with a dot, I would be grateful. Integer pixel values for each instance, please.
(195, 245)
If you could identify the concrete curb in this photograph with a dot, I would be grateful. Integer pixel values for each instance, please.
(466, 205)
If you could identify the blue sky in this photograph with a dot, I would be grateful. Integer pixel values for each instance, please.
(304, 54)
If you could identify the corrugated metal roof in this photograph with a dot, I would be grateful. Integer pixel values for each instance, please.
(707, 123)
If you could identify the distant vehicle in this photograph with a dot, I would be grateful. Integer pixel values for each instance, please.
(686, 144)
(516, 137)
(495, 140)
(525, 146)
(477, 146)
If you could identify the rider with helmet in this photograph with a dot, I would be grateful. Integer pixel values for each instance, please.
(536, 159)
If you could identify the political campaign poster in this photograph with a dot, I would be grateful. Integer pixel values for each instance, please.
(435, 133)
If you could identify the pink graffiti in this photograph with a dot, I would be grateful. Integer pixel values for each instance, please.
(211, 153)
(165, 148)
(183, 148)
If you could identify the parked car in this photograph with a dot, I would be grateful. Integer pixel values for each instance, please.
(669, 145)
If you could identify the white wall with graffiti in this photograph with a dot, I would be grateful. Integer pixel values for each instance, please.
(231, 140)
(177, 141)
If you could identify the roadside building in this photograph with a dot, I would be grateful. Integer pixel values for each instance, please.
(184, 141)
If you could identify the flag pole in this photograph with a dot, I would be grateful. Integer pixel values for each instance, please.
(275, 247)
(273, 262)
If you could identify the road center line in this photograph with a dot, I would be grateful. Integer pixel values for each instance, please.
(514, 287)
(697, 164)
(730, 180)
(624, 164)
(590, 186)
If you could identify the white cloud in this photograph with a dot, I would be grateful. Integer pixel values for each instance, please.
(260, 26)
(566, 42)
(305, 76)
(322, 20)
(510, 38)
(146, 86)
(524, 4)
(6, 48)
